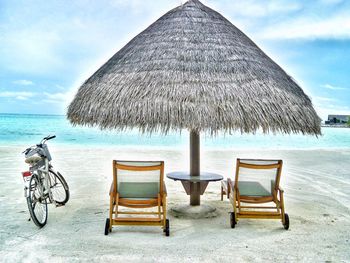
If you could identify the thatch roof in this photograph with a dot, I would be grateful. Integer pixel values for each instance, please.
(192, 69)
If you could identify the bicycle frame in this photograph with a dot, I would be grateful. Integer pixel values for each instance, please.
(43, 185)
(42, 173)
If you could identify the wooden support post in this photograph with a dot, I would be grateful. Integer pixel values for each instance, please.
(194, 166)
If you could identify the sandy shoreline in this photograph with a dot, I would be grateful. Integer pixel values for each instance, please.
(317, 190)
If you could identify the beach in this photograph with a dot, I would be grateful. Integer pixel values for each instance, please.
(190, 85)
(317, 190)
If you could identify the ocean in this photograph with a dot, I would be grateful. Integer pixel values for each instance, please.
(25, 129)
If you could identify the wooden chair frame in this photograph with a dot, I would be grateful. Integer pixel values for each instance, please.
(116, 201)
(251, 206)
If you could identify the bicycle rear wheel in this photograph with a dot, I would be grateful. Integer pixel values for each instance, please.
(37, 203)
(59, 188)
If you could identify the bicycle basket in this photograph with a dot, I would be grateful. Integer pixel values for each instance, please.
(46, 152)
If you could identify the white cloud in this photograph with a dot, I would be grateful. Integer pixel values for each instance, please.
(59, 87)
(336, 26)
(31, 50)
(331, 2)
(331, 87)
(23, 82)
(325, 106)
(331, 109)
(43, 43)
(254, 8)
(139, 6)
(320, 100)
(59, 97)
(20, 95)
(288, 19)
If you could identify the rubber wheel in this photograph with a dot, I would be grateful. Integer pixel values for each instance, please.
(37, 204)
(107, 226)
(232, 220)
(286, 222)
(59, 188)
(167, 228)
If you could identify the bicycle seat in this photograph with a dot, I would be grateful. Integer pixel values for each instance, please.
(33, 159)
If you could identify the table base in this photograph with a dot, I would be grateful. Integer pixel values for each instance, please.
(195, 190)
(193, 212)
(195, 185)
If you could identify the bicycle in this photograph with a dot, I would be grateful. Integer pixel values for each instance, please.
(43, 185)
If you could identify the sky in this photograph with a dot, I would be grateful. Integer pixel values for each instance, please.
(48, 48)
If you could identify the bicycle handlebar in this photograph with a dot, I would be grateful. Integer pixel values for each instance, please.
(49, 137)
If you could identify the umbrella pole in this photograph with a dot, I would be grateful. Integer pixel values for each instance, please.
(194, 166)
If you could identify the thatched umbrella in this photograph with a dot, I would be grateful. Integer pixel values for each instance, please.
(192, 69)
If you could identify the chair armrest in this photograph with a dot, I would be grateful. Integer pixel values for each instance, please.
(164, 189)
(111, 190)
(230, 185)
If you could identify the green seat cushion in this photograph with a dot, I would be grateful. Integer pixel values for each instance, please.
(252, 189)
(138, 190)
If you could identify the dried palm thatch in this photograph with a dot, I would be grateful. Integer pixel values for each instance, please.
(192, 69)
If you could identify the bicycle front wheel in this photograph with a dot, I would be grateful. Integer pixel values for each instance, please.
(37, 203)
(59, 188)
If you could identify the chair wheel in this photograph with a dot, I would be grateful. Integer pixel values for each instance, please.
(107, 227)
(286, 222)
(167, 228)
(232, 219)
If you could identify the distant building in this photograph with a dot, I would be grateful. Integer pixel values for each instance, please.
(337, 119)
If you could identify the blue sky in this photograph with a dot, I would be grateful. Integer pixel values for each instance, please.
(48, 48)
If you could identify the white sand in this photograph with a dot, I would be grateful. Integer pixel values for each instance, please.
(317, 190)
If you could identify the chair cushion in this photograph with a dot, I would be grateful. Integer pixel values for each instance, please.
(252, 189)
(138, 190)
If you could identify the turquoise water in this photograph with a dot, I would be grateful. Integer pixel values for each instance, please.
(21, 129)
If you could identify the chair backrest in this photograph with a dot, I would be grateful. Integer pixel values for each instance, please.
(138, 179)
(258, 177)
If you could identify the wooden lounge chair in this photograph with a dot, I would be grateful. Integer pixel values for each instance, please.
(256, 183)
(137, 185)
